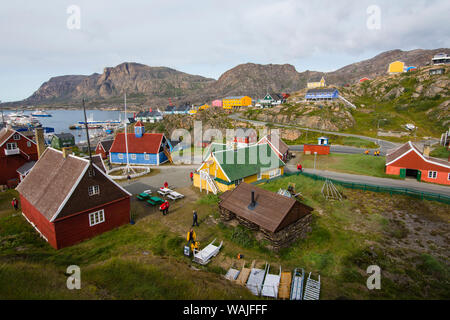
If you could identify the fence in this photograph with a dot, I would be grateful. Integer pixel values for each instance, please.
(370, 187)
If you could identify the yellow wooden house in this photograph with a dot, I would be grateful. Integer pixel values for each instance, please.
(204, 107)
(225, 168)
(316, 83)
(396, 67)
(236, 101)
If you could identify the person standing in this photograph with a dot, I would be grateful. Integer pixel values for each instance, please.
(164, 207)
(166, 185)
(191, 236)
(299, 167)
(15, 204)
(194, 218)
(191, 175)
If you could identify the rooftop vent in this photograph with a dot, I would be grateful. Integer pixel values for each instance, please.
(253, 203)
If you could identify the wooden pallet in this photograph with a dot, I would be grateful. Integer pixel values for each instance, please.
(244, 274)
(284, 290)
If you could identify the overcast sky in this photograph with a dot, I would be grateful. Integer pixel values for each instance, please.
(205, 37)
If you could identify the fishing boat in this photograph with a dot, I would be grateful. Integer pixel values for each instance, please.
(40, 113)
(91, 121)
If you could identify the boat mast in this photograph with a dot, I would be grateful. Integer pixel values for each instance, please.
(87, 134)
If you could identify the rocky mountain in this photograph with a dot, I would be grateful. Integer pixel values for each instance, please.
(154, 85)
(136, 79)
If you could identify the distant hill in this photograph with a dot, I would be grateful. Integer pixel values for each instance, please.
(152, 86)
(388, 102)
(378, 65)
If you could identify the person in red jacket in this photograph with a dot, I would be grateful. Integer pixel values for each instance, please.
(191, 175)
(299, 167)
(166, 185)
(164, 207)
(15, 204)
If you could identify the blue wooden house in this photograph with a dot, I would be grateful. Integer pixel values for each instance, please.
(322, 94)
(143, 148)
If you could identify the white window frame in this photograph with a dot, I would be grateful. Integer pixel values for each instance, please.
(432, 174)
(29, 144)
(93, 190)
(259, 176)
(16, 136)
(91, 172)
(275, 173)
(96, 217)
(9, 144)
(133, 156)
(147, 157)
(120, 156)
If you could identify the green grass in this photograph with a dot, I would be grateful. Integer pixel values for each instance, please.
(440, 152)
(361, 164)
(141, 261)
(311, 137)
(145, 260)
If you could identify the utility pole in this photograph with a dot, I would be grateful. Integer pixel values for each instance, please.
(315, 156)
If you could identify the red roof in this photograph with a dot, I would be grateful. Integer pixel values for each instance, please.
(149, 143)
(138, 124)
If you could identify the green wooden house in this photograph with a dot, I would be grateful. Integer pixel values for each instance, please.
(61, 140)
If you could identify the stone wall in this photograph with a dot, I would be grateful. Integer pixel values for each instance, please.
(281, 239)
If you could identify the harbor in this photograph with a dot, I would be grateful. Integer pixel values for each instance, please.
(100, 122)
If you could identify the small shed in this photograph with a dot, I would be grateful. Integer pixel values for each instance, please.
(322, 147)
(280, 219)
(322, 141)
(62, 140)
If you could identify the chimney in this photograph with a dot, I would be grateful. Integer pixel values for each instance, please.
(426, 150)
(252, 204)
(66, 151)
(40, 142)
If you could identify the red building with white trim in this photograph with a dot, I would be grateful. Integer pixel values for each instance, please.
(408, 161)
(277, 144)
(103, 148)
(15, 151)
(68, 199)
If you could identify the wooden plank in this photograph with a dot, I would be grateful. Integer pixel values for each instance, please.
(284, 290)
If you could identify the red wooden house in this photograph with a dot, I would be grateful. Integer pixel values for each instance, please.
(322, 147)
(408, 161)
(67, 199)
(244, 137)
(278, 145)
(16, 150)
(103, 148)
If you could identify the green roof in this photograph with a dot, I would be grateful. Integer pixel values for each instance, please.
(213, 147)
(245, 162)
